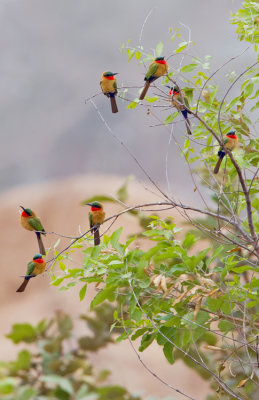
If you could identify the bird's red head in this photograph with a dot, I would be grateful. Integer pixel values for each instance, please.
(160, 60)
(95, 206)
(27, 212)
(232, 134)
(38, 258)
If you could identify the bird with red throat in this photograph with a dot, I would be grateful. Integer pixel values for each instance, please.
(96, 218)
(109, 88)
(157, 68)
(31, 222)
(230, 143)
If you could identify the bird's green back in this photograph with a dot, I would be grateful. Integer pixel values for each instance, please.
(115, 85)
(90, 219)
(30, 268)
(151, 70)
(36, 224)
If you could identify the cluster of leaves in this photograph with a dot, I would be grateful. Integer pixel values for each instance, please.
(217, 111)
(247, 21)
(57, 365)
(188, 304)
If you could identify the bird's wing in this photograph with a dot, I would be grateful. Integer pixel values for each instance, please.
(151, 70)
(90, 219)
(185, 100)
(225, 141)
(30, 268)
(115, 86)
(36, 224)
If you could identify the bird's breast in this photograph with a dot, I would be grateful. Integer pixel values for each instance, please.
(161, 70)
(25, 223)
(98, 217)
(39, 268)
(107, 86)
(231, 143)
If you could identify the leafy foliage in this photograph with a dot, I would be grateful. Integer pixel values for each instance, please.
(57, 365)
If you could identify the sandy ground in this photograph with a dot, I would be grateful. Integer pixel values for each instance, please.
(57, 204)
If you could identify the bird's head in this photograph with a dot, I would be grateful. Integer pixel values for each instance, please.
(38, 257)
(173, 89)
(160, 60)
(95, 206)
(109, 74)
(27, 212)
(232, 134)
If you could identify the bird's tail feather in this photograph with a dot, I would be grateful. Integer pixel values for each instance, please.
(216, 169)
(188, 126)
(96, 236)
(113, 104)
(144, 91)
(40, 243)
(23, 285)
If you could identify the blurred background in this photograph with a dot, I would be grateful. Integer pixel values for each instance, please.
(56, 151)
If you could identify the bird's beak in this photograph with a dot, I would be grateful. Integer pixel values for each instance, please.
(88, 204)
(169, 87)
(116, 73)
(22, 208)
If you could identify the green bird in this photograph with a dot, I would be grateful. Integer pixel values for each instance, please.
(35, 267)
(96, 218)
(157, 68)
(109, 88)
(31, 222)
(230, 143)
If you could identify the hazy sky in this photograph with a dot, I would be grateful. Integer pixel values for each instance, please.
(52, 55)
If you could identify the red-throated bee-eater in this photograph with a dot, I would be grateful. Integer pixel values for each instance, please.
(156, 69)
(176, 96)
(109, 88)
(96, 218)
(31, 222)
(35, 267)
(230, 143)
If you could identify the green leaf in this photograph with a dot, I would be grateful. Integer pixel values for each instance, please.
(189, 68)
(181, 47)
(103, 295)
(168, 352)
(133, 104)
(82, 292)
(159, 49)
(130, 54)
(26, 393)
(115, 237)
(138, 55)
(248, 89)
(57, 380)
(169, 119)
(7, 385)
(22, 333)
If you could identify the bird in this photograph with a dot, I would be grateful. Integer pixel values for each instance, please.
(31, 222)
(157, 68)
(109, 88)
(230, 143)
(35, 267)
(96, 218)
(177, 96)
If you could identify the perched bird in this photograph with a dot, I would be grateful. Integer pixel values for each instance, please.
(34, 268)
(175, 97)
(31, 222)
(109, 87)
(230, 143)
(96, 218)
(157, 68)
